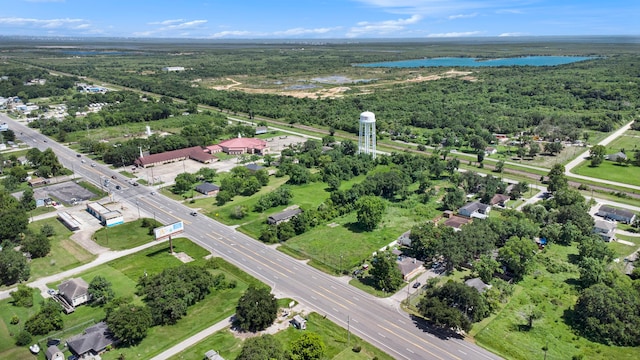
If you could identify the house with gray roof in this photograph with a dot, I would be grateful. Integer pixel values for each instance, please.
(617, 156)
(621, 215)
(208, 188)
(94, 340)
(213, 355)
(283, 216)
(477, 284)
(74, 291)
(475, 210)
(605, 228)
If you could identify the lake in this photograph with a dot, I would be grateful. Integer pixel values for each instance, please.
(476, 62)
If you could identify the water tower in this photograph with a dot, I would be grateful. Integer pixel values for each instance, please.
(367, 135)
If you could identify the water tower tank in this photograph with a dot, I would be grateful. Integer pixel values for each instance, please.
(367, 134)
(367, 117)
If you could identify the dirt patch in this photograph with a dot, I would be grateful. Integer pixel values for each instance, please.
(183, 257)
(332, 225)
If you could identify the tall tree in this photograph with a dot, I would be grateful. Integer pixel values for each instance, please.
(370, 211)
(130, 323)
(262, 347)
(309, 346)
(385, 272)
(100, 290)
(27, 201)
(596, 154)
(13, 267)
(256, 310)
(557, 179)
(517, 254)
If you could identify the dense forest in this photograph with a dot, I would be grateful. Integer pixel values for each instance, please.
(555, 102)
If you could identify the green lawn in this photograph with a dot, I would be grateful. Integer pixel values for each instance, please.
(124, 274)
(333, 336)
(124, 236)
(65, 253)
(629, 141)
(553, 294)
(609, 170)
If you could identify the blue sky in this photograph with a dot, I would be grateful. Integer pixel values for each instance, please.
(313, 19)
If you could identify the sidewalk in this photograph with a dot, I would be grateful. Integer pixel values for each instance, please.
(102, 259)
(189, 342)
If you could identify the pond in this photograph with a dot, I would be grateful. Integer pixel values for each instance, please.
(477, 62)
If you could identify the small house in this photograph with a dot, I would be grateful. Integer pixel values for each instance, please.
(53, 353)
(283, 216)
(405, 239)
(619, 156)
(456, 222)
(475, 210)
(74, 291)
(621, 215)
(477, 284)
(299, 322)
(499, 199)
(409, 266)
(605, 228)
(490, 151)
(208, 188)
(253, 167)
(94, 341)
(213, 355)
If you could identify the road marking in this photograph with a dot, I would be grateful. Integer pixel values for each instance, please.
(330, 299)
(464, 353)
(420, 339)
(402, 322)
(382, 335)
(411, 351)
(334, 288)
(336, 310)
(355, 321)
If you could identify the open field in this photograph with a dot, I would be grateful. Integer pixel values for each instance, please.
(65, 253)
(608, 170)
(554, 294)
(124, 236)
(334, 337)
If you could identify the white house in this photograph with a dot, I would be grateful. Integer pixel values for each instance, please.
(74, 291)
(475, 210)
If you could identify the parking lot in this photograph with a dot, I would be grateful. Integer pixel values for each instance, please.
(68, 192)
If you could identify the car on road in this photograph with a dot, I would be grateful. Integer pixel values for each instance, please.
(45, 140)
(93, 164)
(416, 284)
(78, 155)
(117, 187)
(135, 184)
(153, 193)
(113, 177)
(193, 213)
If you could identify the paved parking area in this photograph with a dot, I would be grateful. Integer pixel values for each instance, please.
(68, 192)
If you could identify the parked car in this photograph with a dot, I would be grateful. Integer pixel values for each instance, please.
(193, 213)
(416, 284)
(52, 291)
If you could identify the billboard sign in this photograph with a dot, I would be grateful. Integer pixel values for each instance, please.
(168, 230)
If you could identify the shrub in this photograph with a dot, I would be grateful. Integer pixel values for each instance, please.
(14, 320)
(23, 338)
(357, 348)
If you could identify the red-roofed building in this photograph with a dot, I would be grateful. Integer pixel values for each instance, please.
(239, 146)
(195, 153)
(214, 149)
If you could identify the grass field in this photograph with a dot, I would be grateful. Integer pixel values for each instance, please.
(65, 253)
(554, 295)
(124, 236)
(124, 274)
(609, 170)
(333, 336)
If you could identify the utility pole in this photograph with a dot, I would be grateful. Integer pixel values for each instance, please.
(348, 331)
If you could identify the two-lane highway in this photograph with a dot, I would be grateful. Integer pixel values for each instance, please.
(378, 321)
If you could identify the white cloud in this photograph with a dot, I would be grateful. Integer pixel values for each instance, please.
(455, 34)
(443, 8)
(462, 16)
(169, 27)
(382, 27)
(303, 31)
(43, 23)
(231, 33)
(512, 34)
(166, 22)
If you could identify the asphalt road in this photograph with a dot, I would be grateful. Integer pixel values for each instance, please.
(378, 321)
